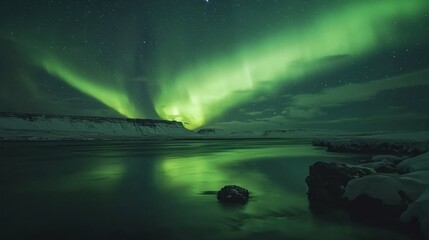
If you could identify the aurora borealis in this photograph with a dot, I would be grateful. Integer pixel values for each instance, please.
(238, 64)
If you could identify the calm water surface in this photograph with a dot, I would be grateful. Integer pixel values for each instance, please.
(153, 190)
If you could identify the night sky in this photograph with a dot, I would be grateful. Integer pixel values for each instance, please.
(239, 64)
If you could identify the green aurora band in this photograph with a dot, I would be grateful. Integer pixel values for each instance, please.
(114, 97)
(206, 91)
(198, 94)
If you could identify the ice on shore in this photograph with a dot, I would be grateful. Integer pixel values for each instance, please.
(419, 209)
(389, 158)
(391, 188)
(387, 186)
(418, 163)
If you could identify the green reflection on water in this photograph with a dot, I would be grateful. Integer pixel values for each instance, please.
(97, 173)
(104, 175)
(197, 173)
(194, 174)
(273, 212)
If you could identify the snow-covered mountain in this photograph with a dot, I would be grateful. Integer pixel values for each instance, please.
(16, 126)
(212, 132)
(282, 132)
(270, 133)
(222, 133)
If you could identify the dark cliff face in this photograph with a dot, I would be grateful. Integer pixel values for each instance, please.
(22, 126)
(140, 122)
(281, 131)
(206, 131)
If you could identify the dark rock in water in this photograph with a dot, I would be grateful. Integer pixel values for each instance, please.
(233, 194)
(327, 182)
(326, 186)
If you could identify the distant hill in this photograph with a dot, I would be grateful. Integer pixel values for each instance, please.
(23, 126)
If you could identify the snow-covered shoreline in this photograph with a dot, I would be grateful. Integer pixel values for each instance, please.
(394, 187)
(374, 145)
(410, 182)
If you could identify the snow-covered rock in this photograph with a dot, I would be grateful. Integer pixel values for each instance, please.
(420, 210)
(383, 163)
(14, 126)
(418, 163)
(383, 166)
(382, 197)
(386, 187)
(327, 181)
(407, 195)
(389, 158)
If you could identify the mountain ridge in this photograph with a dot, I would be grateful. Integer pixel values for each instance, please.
(29, 126)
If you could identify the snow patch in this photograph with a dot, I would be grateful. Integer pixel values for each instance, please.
(420, 210)
(386, 187)
(418, 163)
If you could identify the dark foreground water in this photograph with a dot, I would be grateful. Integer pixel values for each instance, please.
(153, 190)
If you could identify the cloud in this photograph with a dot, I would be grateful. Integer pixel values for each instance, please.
(255, 113)
(302, 113)
(396, 108)
(334, 58)
(357, 92)
(141, 79)
(372, 119)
